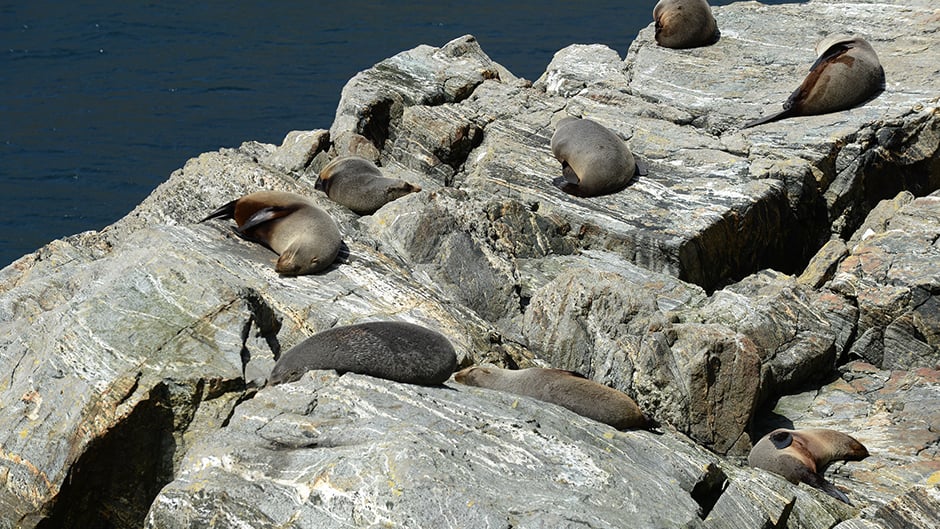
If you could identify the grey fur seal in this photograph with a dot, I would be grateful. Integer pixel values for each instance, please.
(846, 73)
(594, 160)
(393, 350)
(303, 235)
(685, 24)
(358, 184)
(565, 388)
(803, 455)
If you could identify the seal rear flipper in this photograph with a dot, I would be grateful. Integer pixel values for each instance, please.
(785, 113)
(642, 169)
(225, 212)
(265, 215)
(816, 481)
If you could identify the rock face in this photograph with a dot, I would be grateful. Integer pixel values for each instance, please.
(136, 356)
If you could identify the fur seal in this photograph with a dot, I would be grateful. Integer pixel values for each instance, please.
(594, 160)
(393, 350)
(685, 24)
(803, 455)
(304, 236)
(846, 73)
(358, 184)
(565, 388)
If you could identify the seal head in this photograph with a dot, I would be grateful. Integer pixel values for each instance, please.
(565, 388)
(303, 235)
(803, 455)
(358, 184)
(685, 24)
(393, 350)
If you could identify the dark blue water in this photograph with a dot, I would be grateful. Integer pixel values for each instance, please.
(101, 101)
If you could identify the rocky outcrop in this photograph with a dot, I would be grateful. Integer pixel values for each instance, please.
(136, 356)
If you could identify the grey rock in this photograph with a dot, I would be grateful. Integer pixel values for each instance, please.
(147, 343)
(891, 274)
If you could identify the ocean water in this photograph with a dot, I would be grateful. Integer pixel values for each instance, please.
(102, 100)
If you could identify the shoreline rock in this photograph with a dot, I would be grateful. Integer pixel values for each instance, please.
(136, 355)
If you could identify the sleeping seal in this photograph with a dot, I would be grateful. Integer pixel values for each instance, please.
(565, 388)
(802, 455)
(393, 350)
(303, 235)
(594, 160)
(846, 73)
(684, 24)
(358, 184)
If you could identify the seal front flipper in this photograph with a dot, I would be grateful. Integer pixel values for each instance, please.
(225, 212)
(265, 215)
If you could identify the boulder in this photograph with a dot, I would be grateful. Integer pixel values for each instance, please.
(136, 356)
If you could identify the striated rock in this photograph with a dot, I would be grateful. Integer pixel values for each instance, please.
(358, 450)
(891, 273)
(135, 357)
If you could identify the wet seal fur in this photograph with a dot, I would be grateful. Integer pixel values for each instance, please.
(685, 24)
(594, 160)
(393, 350)
(846, 73)
(303, 235)
(803, 455)
(565, 388)
(358, 184)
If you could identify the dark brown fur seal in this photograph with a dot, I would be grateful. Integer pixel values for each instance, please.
(393, 350)
(594, 160)
(803, 455)
(303, 235)
(358, 184)
(846, 73)
(565, 388)
(685, 24)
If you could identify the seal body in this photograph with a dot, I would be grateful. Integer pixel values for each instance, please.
(803, 455)
(358, 184)
(399, 351)
(565, 388)
(594, 160)
(303, 235)
(685, 24)
(846, 73)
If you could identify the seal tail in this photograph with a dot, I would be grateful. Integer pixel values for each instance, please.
(225, 212)
(785, 113)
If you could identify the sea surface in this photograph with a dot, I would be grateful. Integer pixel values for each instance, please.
(102, 100)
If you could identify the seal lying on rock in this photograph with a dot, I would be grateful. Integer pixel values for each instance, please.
(303, 235)
(358, 184)
(594, 160)
(565, 388)
(685, 24)
(802, 455)
(393, 350)
(846, 73)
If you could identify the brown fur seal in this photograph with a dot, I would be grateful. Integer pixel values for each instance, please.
(802, 455)
(304, 236)
(358, 184)
(565, 388)
(846, 73)
(393, 350)
(594, 160)
(685, 24)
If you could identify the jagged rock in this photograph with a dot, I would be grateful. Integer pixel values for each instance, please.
(331, 450)
(135, 355)
(891, 273)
